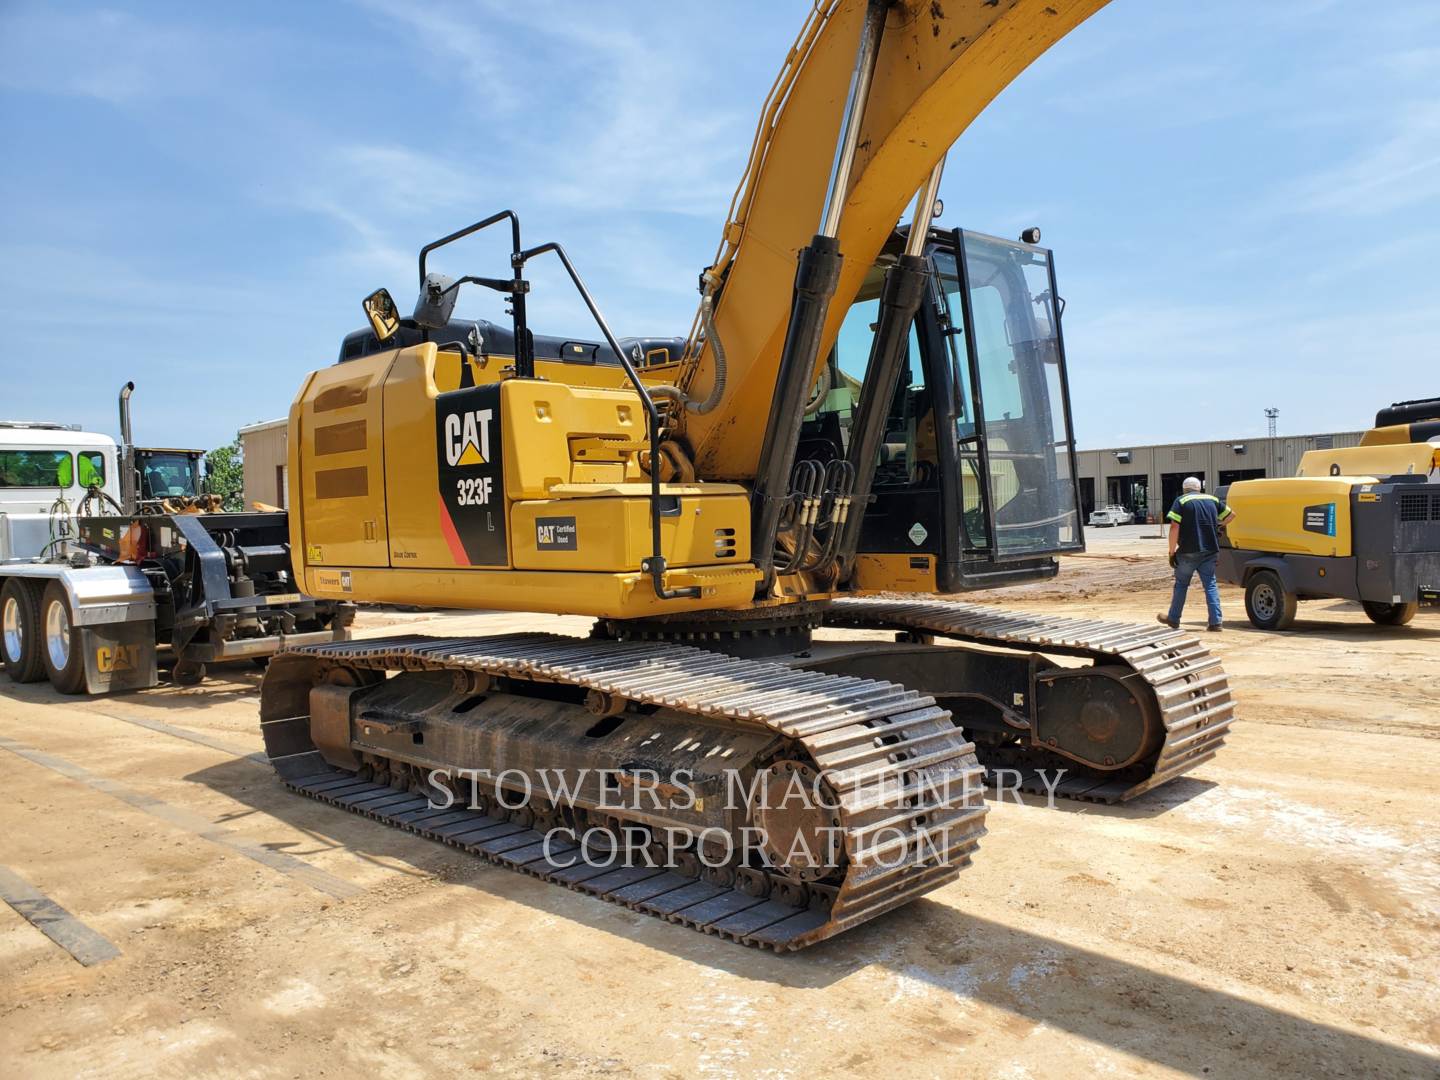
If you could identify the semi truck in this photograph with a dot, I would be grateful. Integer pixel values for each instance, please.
(114, 565)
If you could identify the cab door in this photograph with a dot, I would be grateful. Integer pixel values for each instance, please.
(342, 464)
(903, 533)
(1013, 436)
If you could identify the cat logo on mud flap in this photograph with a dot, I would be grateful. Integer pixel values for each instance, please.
(110, 658)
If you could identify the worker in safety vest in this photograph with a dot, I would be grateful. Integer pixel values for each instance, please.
(1195, 523)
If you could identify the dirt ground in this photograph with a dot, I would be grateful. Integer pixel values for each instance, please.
(1273, 914)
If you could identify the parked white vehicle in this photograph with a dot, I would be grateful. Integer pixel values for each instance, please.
(1111, 515)
(40, 465)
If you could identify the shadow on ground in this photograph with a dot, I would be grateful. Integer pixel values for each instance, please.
(1171, 1021)
(1151, 804)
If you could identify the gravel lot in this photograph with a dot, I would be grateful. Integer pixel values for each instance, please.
(1273, 914)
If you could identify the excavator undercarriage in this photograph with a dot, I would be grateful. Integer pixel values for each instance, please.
(772, 801)
(1143, 707)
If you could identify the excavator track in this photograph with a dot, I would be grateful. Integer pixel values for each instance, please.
(909, 788)
(1188, 685)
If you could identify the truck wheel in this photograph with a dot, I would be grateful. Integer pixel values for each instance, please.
(1390, 614)
(64, 660)
(20, 630)
(1267, 602)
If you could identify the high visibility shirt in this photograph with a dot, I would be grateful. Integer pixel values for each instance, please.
(1199, 516)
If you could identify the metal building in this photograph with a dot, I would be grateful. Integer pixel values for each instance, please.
(1146, 479)
(266, 472)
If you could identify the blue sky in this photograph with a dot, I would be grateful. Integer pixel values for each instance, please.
(196, 196)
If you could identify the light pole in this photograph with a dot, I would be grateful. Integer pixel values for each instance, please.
(1272, 417)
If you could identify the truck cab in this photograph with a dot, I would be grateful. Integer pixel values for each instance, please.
(42, 465)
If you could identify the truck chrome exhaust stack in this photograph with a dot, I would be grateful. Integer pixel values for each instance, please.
(128, 501)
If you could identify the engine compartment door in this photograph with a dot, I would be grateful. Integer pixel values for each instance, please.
(342, 464)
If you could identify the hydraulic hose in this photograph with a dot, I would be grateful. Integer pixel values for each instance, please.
(717, 388)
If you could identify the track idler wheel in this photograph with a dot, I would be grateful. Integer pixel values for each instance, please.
(1104, 717)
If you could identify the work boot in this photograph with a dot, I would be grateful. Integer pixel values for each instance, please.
(1215, 627)
(1166, 620)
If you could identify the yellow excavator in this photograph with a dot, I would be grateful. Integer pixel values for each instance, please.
(863, 417)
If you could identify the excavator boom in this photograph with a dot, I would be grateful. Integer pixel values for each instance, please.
(938, 65)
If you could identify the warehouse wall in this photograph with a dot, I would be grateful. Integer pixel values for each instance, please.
(265, 463)
(1151, 465)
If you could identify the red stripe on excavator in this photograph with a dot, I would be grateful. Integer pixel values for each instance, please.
(447, 526)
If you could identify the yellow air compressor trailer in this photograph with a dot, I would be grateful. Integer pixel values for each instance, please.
(1357, 523)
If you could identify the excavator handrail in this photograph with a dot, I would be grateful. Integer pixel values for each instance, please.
(460, 234)
(655, 565)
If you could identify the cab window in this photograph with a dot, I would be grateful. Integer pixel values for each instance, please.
(90, 466)
(36, 468)
(166, 475)
(908, 453)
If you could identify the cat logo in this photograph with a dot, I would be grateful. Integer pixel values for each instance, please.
(467, 437)
(118, 658)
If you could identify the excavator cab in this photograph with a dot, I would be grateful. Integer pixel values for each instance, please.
(976, 483)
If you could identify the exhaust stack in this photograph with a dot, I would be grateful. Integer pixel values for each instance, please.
(129, 500)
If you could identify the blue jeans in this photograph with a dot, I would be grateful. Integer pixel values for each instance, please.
(1186, 567)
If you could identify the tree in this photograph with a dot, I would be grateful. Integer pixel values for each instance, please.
(225, 475)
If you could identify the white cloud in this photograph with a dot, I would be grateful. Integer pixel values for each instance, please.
(49, 285)
(1396, 172)
(604, 118)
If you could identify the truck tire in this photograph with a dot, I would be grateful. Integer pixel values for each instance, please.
(20, 630)
(1390, 614)
(60, 641)
(1269, 605)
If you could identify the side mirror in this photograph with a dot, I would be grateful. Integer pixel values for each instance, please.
(380, 310)
(437, 302)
